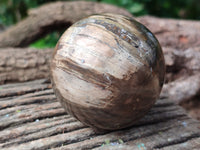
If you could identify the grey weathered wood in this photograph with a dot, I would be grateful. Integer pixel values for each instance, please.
(31, 118)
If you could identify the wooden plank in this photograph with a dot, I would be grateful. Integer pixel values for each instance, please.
(194, 144)
(22, 88)
(33, 119)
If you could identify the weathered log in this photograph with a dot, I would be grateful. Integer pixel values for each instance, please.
(18, 64)
(181, 63)
(33, 119)
(49, 17)
(183, 89)
(175, 33)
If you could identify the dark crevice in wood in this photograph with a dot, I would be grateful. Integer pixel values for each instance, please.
(162, 97)
(173, 109)
(164, 104)
(161, 31)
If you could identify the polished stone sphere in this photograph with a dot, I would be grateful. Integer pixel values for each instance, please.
(107, 71)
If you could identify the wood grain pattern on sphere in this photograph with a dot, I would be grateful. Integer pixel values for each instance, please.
(107, 71)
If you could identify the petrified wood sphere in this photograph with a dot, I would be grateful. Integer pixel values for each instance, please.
(107, 71)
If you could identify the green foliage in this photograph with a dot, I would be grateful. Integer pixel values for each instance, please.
(186, 9)
(174, 8)
(133, 6)
(121, 141)
(12, 11)
(48, 41)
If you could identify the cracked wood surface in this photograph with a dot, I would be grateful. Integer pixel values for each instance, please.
(31, 118)
(23, 64)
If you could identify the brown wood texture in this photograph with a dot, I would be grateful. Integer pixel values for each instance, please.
(31, 118)
(183, 89)
(174, 33)
(23, 64)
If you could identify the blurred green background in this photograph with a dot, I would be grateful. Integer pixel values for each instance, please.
(12, 11)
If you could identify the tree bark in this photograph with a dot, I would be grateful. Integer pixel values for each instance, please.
(181, 63)
(23, 64)
(174, 33)
(49, 17)
(183, 89)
